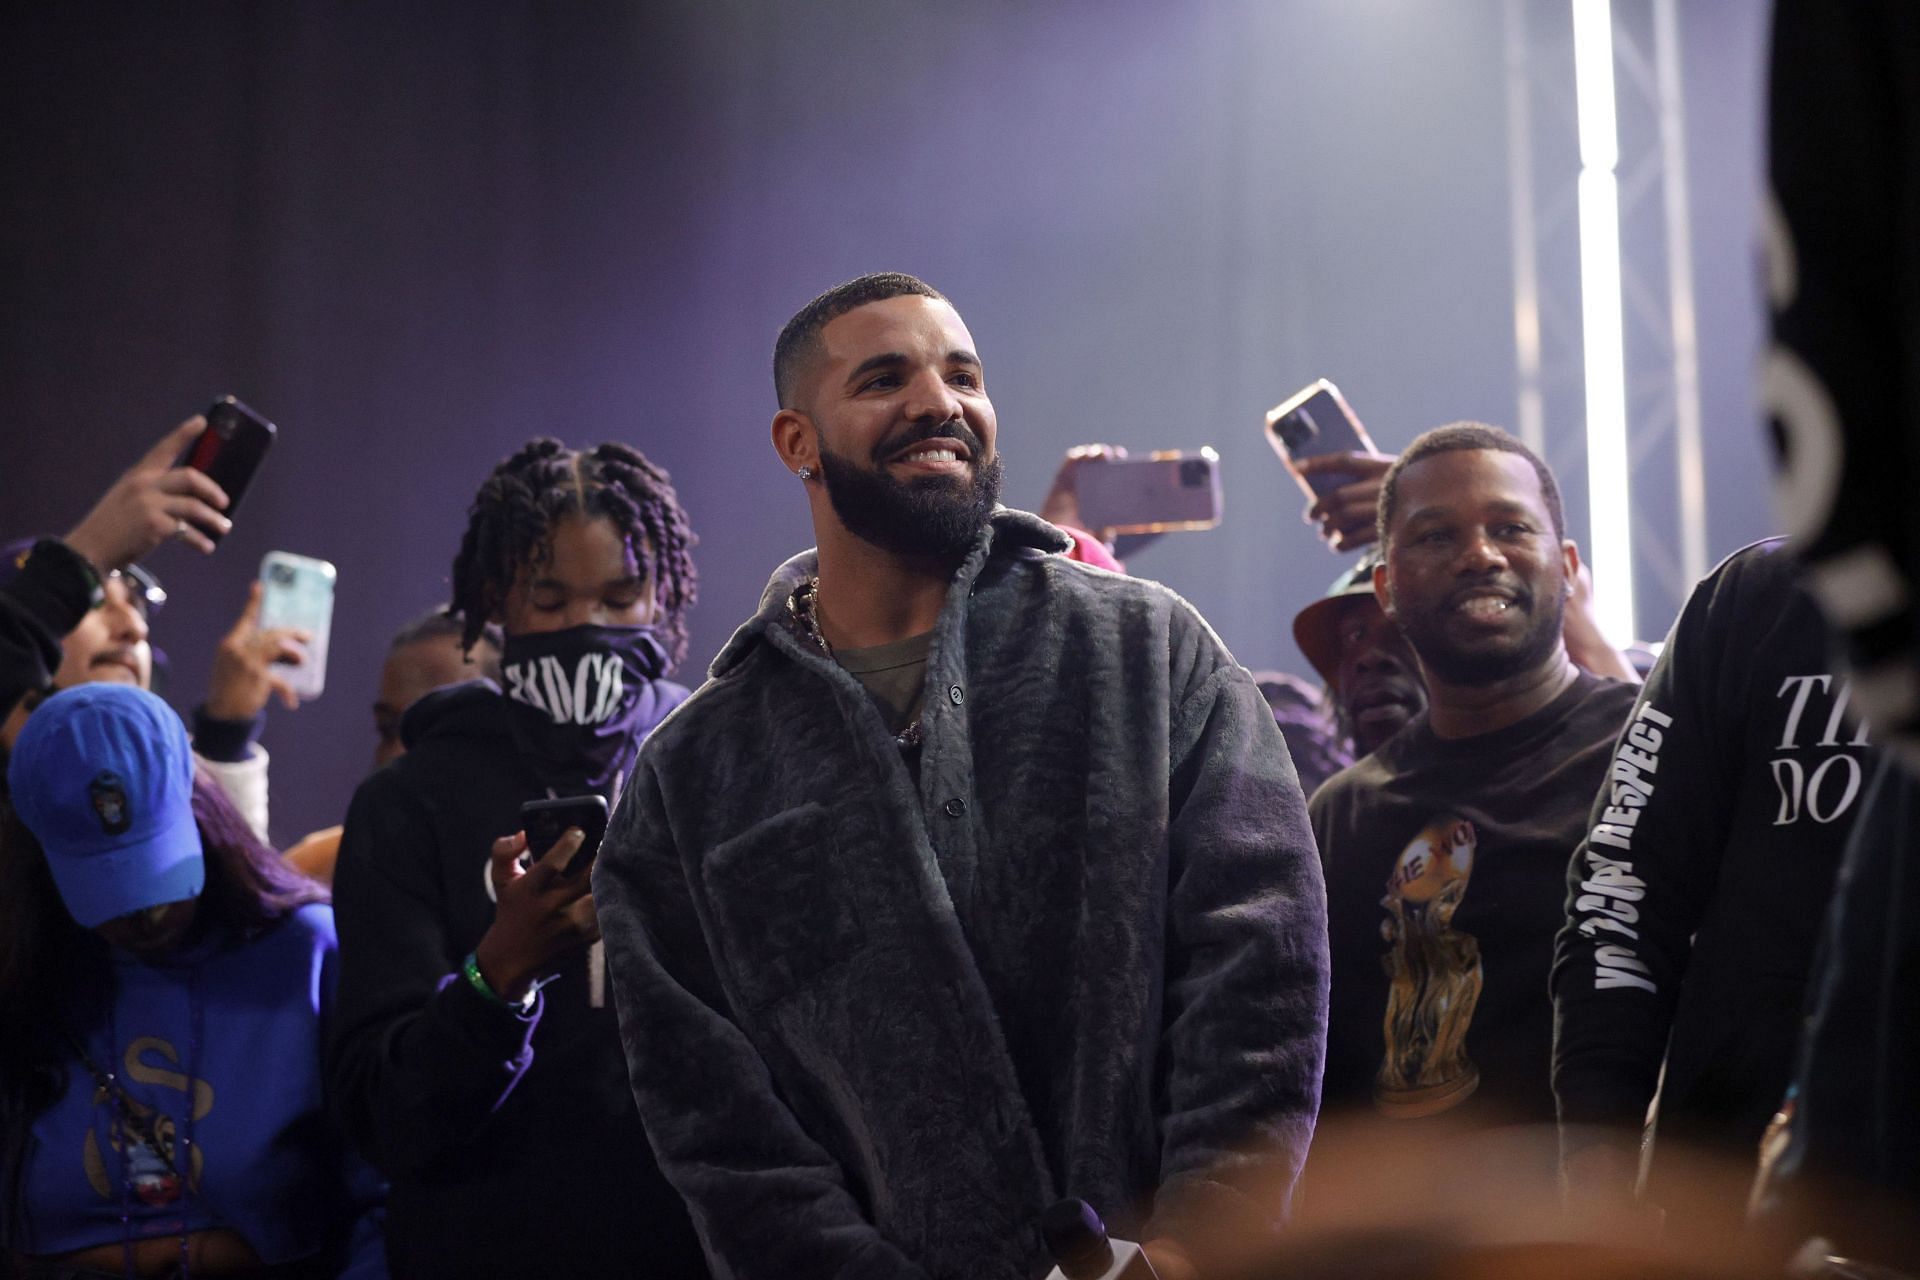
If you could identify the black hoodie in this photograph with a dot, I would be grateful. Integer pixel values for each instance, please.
(1694, 902)
(512, 1143)
(38, 605)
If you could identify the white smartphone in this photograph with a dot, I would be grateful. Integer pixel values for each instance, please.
(298, 592)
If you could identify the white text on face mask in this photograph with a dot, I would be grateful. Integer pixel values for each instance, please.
(590, 695)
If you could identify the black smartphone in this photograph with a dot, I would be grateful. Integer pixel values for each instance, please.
(545, 821)
(229, 451)
(1311, 423)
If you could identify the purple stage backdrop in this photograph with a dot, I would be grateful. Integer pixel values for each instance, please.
(416, 234)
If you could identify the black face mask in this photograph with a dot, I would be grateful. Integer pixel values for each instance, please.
(581, 699)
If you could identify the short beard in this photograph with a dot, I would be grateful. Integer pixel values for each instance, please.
(933, 516)
(1478, 668)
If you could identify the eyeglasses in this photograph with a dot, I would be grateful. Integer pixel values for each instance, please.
(143, 590)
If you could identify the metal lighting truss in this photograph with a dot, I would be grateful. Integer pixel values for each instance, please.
(1603, 302)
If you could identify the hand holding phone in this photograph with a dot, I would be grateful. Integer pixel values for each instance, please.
(1347, 515)
(154, 500)
(251, 664)
(1062, 503)
(542, 915)
(545, 821)
(228, 451)
(1316, 422)
(296, 593)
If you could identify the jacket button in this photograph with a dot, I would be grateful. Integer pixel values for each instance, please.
(955, 696)
(955, 807)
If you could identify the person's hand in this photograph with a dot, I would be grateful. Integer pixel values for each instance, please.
(244, 674)
(1062, 503)
(1347, 515)
(1580, 629)
(152, 502)
(543, 916)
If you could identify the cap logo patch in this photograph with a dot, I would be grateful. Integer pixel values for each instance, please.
(109, 796)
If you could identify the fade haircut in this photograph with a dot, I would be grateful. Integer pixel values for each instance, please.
(443, 623)
(1452, 438)
(510, 525)
(440, 623)
(799, 342)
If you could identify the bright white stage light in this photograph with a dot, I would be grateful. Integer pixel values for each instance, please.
(1593, 83)
(1610, 545)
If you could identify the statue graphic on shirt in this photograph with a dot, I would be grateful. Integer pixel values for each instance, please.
(143, 1139)
(1433, 975)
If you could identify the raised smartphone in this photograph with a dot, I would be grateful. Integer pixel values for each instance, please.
(545, 821)
(297, 591)
(229, 451)
(1311, 423)
(1159, 493)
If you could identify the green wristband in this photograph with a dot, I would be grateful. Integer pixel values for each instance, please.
(470, 969)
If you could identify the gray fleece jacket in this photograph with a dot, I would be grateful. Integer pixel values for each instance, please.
(874, 1028)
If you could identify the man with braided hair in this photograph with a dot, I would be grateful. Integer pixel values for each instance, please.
(476, 1058)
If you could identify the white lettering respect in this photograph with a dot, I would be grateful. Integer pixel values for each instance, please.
(1609, 894)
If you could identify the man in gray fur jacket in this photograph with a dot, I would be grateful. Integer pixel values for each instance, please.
(973, 878)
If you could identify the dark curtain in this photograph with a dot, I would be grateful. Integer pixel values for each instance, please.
(415, 234)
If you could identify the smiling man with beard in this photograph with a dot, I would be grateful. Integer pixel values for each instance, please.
(973, 878)
(1476, 571)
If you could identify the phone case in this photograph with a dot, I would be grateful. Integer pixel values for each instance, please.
(229, 451)
(546, 821)
(1160, 493)
(298, 592)
(1311, 423)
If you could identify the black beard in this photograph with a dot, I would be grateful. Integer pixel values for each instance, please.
(939, 516)
(1478, 668)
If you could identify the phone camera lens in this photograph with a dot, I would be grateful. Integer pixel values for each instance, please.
(281, 576)
(1194, 473)
(1297, 430)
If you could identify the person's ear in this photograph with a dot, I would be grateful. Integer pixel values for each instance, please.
(1570, 565)
(797, 441)
(1382, 591)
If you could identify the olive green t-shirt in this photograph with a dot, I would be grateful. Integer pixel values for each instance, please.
(894, 676)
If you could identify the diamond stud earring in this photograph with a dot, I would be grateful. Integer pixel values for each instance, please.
(805, 473)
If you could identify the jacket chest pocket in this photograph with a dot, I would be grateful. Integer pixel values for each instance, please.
(783, 904)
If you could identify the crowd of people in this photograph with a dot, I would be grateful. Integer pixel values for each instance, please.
(975, 874)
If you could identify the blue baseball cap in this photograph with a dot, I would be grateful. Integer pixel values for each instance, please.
(102, 774)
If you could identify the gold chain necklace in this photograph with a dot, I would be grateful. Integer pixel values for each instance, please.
(803, 607)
